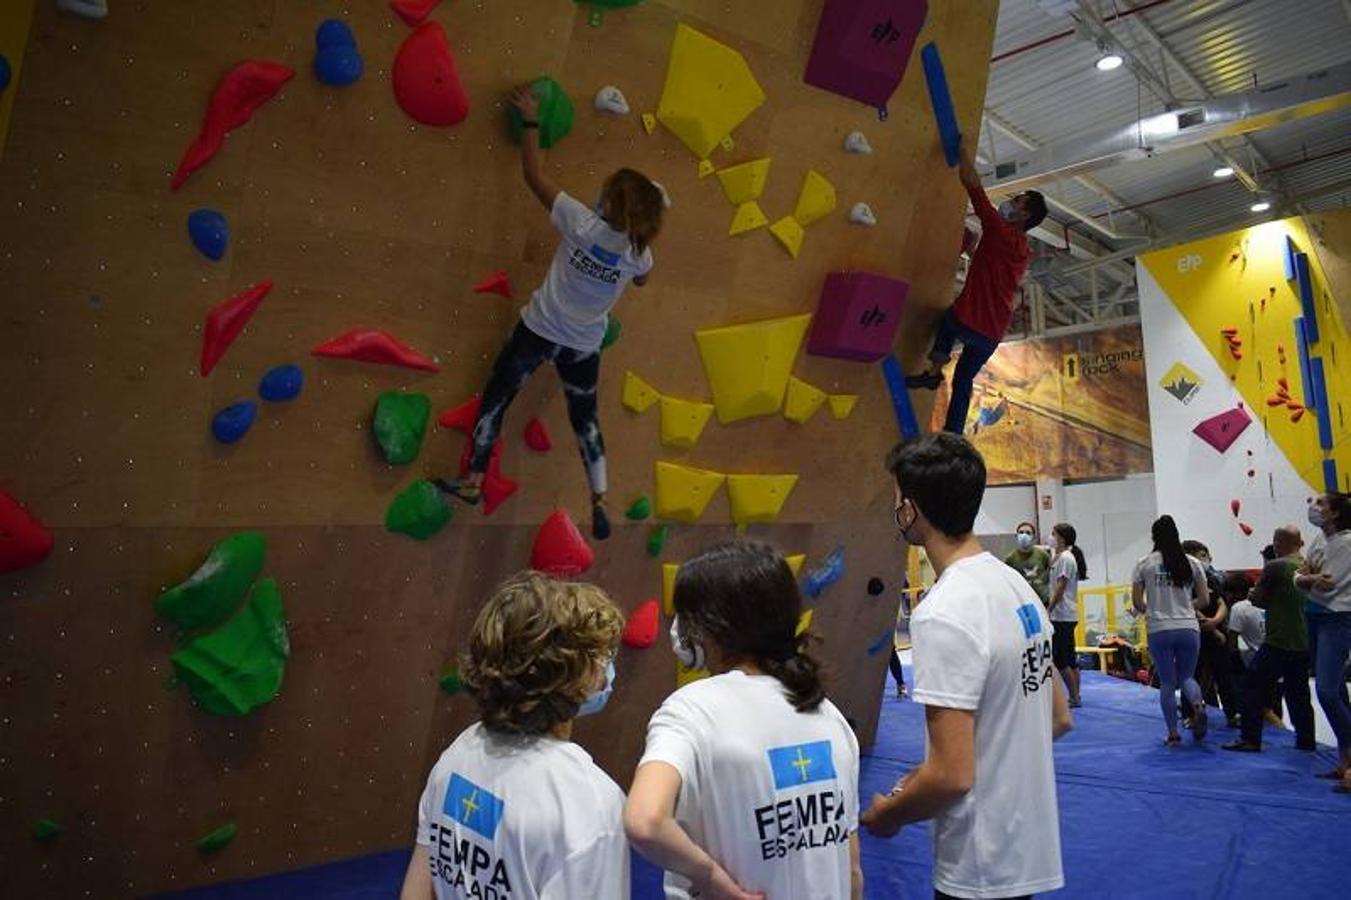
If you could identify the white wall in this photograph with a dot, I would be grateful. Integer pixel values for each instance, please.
(1112, 519)
(1004, 507)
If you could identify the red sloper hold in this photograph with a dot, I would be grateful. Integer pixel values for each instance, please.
(463, 417)
(235, 99)
(641, 630)
(497, 488)
(413, 11)
(24, 541)
(1245, 528)
(226, 320)
(560, 550)
(497, 283)
(375, 346)
(1235, 506)
(425, 81)
(537, 437)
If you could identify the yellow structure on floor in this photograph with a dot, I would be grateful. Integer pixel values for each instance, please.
(802, 400)
(709, 91)
(748, 365)
(682, 421)
(683, 492)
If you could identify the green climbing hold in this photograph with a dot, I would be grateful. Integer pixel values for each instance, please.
(639, 510)
(216, 589)
(210, 843)
(420, 511)
(555, 113)
(450, 680)
(612, 330)
(46, 829)
(656, 541)
(239, 666)
(399, 425)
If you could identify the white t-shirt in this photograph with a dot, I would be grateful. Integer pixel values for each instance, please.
(522, 818)
(1250, 624)
(769, 792)
(1065, 565)
(1337, 563)
(1169, 607)
(591, 266)
(982, 642)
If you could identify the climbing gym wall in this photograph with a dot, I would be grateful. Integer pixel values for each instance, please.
(152, 422)
(1247, 355)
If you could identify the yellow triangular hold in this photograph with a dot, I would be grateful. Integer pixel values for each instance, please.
(649, 123)
(802, 400)
(790, 234)
(748, 365)
(637, 394)
(668, 577)
(748, 217)
(795, 562)
(816, 200)
(709, 91)
(683, 492)
(841, 405)
(682, 421)
(705, 168)
(758, 498)
(804, 622)
(684, 674)
(744, 181)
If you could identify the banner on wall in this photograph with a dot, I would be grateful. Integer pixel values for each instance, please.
(1070, 407)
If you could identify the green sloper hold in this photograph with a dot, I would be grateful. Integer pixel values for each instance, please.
(210, 843)
(450, 680)
(612, 331)
(46, 829)
(639, 510)
(420, 511)
(218, 586)
(239, 666)
(656, 541)
(399, 425)
(555, 113)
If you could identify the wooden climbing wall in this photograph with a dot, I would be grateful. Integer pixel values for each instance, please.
(362, 218)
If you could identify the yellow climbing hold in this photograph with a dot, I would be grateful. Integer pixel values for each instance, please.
(802, 401)
(816, 200)
(748, 365)
(668, 577)
(684, 674)
(649, 123)
(748, 217)
(804, 622)
(744, 181)
(795, 562)
(637, 394)
(709, 91)
(705, 168)
(841, 405)
(683, 492)
(682, 421)
(789, 233)
(758, 498)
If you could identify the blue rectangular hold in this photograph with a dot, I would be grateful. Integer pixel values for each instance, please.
(1320, 397)
(1330, 476)
(1305, 374)
(801, 764)
(1305, 284)
(1289, 258)
(900, 397)
(941, 100)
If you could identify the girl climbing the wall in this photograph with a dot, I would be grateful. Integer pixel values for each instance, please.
(601, 250)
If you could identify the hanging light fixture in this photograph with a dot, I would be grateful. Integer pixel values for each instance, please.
(1223, 172)
(1109, 61)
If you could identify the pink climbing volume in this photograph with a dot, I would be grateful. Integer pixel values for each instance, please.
(226, 320)
(237, 96)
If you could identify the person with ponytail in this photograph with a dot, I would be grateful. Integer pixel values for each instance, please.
(565, 322)
(1169, 586)
(748, 786)
(1067, 571)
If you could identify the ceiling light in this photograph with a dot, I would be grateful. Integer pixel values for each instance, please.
(1223, 172)
(1261, 206)
(1109, 61)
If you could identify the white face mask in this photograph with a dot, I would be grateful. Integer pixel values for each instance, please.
(596, 700)
(1024, 541)
(690, 654)
(1006, 210)
(1315, 515)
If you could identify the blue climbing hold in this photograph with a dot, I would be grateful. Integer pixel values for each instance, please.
(826, 574)
(281, 383)
(336, 60)
(885, 639)
(4, 73)
(210, 233)
(231, 423)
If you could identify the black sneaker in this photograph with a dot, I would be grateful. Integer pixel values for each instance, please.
(465, 493)
(600, 523)
(927, 380)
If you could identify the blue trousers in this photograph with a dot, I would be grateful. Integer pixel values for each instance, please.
(1175, 654)
(1334, 644)
(976, 352)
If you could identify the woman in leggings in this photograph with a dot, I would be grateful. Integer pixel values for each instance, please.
(1169, 587)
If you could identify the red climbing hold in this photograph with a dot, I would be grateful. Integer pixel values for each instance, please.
(642, 628)
(1276, 400)
(413, 11)
(226, 320)
(237, 96)
(537, 436)
(497, 488)
(24, 541)
(1246, 528)
(1297, 415)
(497, 283)
(373, 346)
(1235, 506)
(425, 81)
(1229, 332)
(560, 550)
(463, 417)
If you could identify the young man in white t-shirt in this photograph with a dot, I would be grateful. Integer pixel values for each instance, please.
(993, 700)
(514, 809)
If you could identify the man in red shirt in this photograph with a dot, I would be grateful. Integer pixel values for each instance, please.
(982, 313)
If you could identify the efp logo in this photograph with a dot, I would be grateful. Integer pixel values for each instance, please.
(1027, 614)
(605, 256)
(1189, 262)
(800, 764)
(472, 806)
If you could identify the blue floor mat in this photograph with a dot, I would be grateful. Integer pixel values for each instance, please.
(1137, 819)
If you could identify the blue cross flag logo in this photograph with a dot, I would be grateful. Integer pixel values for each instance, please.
(605, 256)
(472, 806)
(1031, 621)
(800, 764)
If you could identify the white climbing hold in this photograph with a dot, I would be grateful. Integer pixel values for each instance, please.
(90, 9)
(611, 99)
(665, 197)
(862, 214)
(856, 142)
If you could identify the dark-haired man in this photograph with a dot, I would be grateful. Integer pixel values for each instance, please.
(993, 700)
(981, 315)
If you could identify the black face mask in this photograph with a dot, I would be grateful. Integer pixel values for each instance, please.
(905, 529)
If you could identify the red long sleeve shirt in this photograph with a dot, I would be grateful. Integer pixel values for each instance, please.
(986, 302)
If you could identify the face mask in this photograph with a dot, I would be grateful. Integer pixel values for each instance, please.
(596, 701)
(1024, 541)
(1315, 516)
(905, 529)
(690, 654)
(1006, 210)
